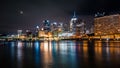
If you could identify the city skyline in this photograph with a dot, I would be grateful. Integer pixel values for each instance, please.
(27, 15)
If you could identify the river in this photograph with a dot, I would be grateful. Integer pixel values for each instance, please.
(60, 54)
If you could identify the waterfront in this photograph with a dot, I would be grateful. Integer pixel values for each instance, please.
(60, 54)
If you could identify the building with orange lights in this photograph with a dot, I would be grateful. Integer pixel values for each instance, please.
(107, 26)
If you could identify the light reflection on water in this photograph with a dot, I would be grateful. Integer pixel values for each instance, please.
(61, 54)
(20, 53)
(46, 50)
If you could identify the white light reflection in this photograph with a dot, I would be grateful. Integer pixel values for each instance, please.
(20, 45)
(63, 46)
(72, 46)
(12, 44)
(19, 54)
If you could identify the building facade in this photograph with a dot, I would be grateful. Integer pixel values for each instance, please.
(72, 26)
(107, 25)
(47, 25)
(80, 27)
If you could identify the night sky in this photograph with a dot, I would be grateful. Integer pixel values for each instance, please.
(27, 14)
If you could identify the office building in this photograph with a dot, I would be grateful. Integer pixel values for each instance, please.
(46, 25)
(107, 25)
(72, 26)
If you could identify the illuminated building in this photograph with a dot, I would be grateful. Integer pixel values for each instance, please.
(60, 27)
(19, 33)
(28, 33)
(41, 33)
(73, 23)
(65, 34)
(107, 26)
(47, 26)
(37, 28)
(54, 26)
(66, 27)
(80, 27)
(22, 37)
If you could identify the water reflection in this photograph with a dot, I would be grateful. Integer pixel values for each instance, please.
(37, 53)
(28, 44)
(19, 53)
(62, 54)
(12, 49)
(108, 53)
(46, 50)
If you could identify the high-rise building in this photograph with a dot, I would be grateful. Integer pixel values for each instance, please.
(80, 27)
(60, 27)
(54, 26)
(28, 33)
(66, 27)
(41, 33)
(73, 23)
(107, 25)
(19, 32)
(37, 28)
(47, 26)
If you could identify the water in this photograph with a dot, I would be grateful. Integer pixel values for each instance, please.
(60, 54)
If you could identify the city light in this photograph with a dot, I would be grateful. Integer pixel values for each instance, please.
(105, 27)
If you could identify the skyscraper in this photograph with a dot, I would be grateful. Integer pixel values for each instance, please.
(54, 26)
(19, 33)
(80, 27)
(46, 24)
(73, 23)
(37, 28)
(60, 27)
